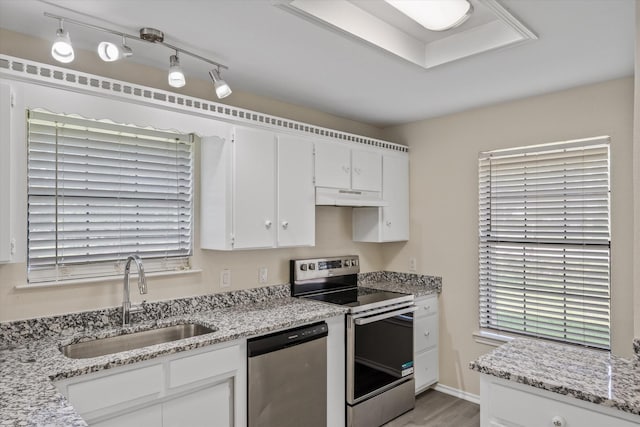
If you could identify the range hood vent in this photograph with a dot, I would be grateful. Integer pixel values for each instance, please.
(355, 198)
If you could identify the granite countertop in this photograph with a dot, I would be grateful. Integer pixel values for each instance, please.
(28, 366)
(406, 283)
(590, 375)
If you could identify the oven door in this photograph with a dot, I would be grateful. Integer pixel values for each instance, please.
(379, 351)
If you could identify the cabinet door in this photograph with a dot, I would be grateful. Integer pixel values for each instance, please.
(211, 407)
(296, 193)
(366, 170)
(333, 165)
(254, 189)
(395, 191)
(5, 171)
(148, 417)
(425, 369)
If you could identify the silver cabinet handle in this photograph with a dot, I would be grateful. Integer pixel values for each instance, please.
(267, 224)
(427, 333)
(285, 224)
(367, 320)
(388, 223)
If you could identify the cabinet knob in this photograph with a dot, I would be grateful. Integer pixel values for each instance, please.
(345, 169)
(558, 421)
(388, 223)
(267, 224)
(285, 224)
(357, 170)
(427, 307)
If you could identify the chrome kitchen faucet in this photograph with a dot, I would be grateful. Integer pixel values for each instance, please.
(142, 287)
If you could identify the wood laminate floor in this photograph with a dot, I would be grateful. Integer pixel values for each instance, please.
(435, 409)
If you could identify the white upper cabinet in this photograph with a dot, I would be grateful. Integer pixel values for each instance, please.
(296, 193)
(5, 172)
(257, 191)
(340, 166)
(389, 223)
(254, 192)
(366, 170)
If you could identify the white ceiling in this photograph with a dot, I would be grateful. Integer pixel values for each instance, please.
(274, 53)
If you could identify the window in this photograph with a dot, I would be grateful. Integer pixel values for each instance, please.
(545, 241)
(99, 191)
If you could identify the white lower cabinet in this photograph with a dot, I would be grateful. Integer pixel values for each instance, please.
(149, 416)
(203, 387)
(425, 342)
(212, 406)
(507, 404)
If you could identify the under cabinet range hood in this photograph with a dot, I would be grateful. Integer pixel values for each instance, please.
(354, 198)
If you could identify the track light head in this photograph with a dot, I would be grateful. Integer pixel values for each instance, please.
(110, 52)
(62, 50)
(176, 76)
(222, 88)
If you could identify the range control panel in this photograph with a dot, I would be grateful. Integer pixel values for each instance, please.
(314, 268)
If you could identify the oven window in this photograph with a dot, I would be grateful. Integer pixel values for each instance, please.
(383, 353)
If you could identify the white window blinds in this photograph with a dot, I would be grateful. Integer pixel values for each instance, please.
(545, 241)
(98, 192)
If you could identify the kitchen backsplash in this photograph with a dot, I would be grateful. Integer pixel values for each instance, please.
(431, 282)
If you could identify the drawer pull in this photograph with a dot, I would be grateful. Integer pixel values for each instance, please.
(427, 333)
(558, 421)
(427, 307)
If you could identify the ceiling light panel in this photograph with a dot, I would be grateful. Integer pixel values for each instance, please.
(435, 15)
(378, 23)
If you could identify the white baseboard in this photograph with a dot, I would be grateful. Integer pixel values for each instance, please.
(474, 398)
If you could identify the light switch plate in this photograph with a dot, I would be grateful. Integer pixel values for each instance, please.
(413, 264)
(225, 278)
(263, 275)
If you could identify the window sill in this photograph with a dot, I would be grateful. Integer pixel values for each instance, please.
(494, 339)
(109, 279)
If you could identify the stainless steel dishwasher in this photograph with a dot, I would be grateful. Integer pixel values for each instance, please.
(287, 378)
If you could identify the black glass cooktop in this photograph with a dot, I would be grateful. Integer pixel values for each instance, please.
(361, 297)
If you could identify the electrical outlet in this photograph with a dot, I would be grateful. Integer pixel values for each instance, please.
(225, 278)
(413, 264)
(263, 275)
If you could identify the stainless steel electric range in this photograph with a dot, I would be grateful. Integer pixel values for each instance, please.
(379, 337)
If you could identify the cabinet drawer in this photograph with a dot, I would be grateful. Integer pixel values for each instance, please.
(111, 390)
(426, 368)
(426, 306)
(204, 365)
(510, 407)
(425, 333)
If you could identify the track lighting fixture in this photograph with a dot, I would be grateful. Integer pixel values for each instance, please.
(176, 76)
(222, 88)
(62, 51)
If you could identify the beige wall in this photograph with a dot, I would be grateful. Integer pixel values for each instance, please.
(636, 180)
(444, 202)
(333, 225)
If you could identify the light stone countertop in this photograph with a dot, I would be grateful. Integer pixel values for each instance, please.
(589, 375)
(28, 367)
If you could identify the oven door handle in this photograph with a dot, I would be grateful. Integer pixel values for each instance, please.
(387, 315)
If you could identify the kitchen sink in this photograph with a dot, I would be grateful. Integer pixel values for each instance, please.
(132, 341)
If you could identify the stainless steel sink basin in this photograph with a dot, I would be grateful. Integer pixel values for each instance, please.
(103, 346)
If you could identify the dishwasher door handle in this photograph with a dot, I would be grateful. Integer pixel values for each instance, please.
(387, 315)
